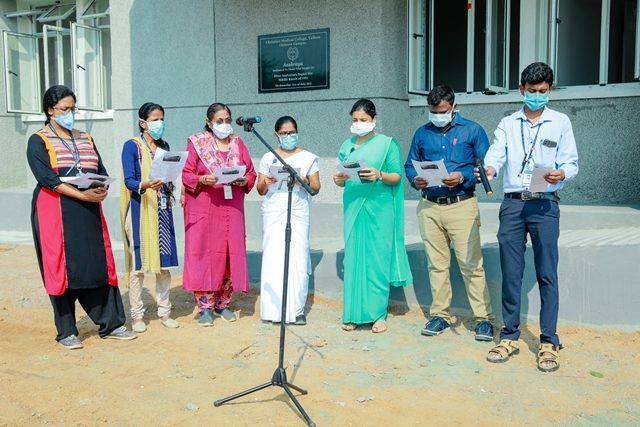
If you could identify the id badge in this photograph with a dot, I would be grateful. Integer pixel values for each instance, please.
(526, 177)
(228, 194)
(163, 201)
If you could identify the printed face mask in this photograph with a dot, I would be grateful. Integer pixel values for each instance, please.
(222, 130)
(362, 128)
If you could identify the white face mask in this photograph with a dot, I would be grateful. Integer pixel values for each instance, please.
(441, 120)
(362, 128)
(222, 130)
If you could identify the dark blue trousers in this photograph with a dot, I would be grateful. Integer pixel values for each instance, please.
(541, 220)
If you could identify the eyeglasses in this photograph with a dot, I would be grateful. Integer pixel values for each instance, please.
(66, 109)
(291, 132)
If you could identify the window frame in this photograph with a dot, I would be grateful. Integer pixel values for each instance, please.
(33, 22)
(548, 52)
(98, 85)
(36, 73)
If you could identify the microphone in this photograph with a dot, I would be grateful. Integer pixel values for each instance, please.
(483, 178)
(243, 121)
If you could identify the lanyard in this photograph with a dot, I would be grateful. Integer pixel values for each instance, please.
(527, 156)
(75, 152)
(147, 144)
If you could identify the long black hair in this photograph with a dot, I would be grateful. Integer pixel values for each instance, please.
(143, 114)
(52, 96)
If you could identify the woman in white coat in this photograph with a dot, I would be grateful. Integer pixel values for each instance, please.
(274, 209)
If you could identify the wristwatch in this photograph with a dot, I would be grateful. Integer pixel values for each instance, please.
(461, 179)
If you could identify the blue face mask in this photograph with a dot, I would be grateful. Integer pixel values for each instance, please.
(66, 120)
(288, 142)
(155, 129)
(535, 100)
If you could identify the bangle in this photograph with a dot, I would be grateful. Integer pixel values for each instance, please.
(379, 176)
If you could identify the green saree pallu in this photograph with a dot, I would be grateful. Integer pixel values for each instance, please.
(375, 257)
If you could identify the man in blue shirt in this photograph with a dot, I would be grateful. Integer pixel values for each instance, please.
(535, 141)
(448, 210)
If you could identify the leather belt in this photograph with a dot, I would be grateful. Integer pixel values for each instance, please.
(447, 200)
(527, 195)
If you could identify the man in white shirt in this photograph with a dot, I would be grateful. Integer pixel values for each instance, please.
(534, 136)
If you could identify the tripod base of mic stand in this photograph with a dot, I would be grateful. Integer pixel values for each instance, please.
(279, 379)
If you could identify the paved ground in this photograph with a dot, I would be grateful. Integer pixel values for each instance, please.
(172, 377)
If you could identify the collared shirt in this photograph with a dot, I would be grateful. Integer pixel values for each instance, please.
(553, 145)
(458, 145)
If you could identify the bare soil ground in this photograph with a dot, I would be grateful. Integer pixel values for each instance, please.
(171, 377)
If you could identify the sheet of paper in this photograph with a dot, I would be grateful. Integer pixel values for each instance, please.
(229, 174)
(434, 172)
(538, 184)
(352, 168)
(167, 165)
(88, 180)
(281, 176)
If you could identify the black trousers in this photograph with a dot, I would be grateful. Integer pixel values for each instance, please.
(103, 305)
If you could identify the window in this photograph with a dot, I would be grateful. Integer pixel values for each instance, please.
(49, 47)
(480, 46)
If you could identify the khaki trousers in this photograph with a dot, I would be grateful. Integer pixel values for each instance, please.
(458, 223)
(163, 286)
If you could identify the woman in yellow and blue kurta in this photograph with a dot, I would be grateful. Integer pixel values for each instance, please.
(374, 254)
(147, 220)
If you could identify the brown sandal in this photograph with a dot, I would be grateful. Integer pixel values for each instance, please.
(548, 357)
(379, 327)
(503, 351)
(348, 327)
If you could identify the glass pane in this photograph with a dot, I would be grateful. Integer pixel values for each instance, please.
(87, 67)
(96, 7)
(622, 40)
(497, 76)
(418, 38)
(578, 20)
(479, 44)
(514, 45)
(23, 77)
(450, 44)
(59, 12)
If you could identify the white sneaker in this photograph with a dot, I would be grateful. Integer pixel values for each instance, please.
(138, 326)
(169, 323)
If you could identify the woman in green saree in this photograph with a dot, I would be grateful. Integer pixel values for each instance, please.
(374, 254)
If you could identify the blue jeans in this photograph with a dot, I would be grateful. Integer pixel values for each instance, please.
(541, 220)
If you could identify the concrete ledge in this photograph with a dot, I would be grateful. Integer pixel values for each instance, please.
(599, 247)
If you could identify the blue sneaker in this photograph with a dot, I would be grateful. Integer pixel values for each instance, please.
(484, 331)
(435, 326)
(206, 317)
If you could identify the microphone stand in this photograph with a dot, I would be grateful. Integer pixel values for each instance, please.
(279, 378)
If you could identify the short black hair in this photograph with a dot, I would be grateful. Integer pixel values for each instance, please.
(283, 121)
(365, 105)
(213, 109)
(52, 96)
(441, 93)
(145, 111)
(535, 73)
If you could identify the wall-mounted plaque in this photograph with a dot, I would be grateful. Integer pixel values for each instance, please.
(293, 61)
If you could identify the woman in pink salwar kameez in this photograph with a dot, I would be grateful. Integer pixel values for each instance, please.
(215, 262)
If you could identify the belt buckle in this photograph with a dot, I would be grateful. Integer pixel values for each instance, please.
(526, 195)
(442, 200)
